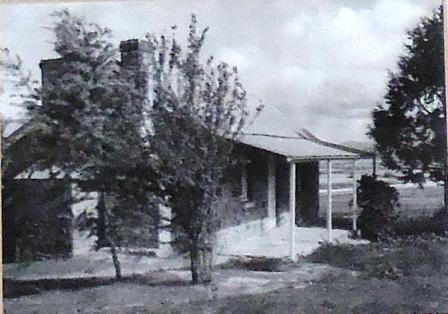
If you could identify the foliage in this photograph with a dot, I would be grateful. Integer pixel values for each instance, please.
(378, 201)
(198, 109)
(26, 88)
(409, 129)
(22, 91)
(88, 110)
(130, 226)
(93, 107)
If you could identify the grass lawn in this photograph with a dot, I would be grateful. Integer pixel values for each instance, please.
(404, 276)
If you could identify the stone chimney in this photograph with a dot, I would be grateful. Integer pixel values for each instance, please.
(134, 58)
(50, 70)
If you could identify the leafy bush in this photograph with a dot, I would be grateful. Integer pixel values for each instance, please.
(378, 201)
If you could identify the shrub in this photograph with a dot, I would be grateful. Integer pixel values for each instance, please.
(441, 222)
(340, 255)
(422, 255)
(422, 225)
(256, 264)
(378, 201)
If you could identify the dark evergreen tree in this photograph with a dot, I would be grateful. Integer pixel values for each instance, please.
(409, 129)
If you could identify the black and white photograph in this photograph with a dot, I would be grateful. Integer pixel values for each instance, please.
(240, 156)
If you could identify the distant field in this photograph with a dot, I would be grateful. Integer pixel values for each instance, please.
(342, 173)
(414, 200)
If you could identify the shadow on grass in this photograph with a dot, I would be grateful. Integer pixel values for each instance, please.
(13, 288)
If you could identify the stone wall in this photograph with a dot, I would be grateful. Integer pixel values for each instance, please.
(233, 208)
(37, 220)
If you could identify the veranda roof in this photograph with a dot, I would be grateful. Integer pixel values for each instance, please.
(298, 149)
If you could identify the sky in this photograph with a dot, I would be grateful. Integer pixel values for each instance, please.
(321, 65)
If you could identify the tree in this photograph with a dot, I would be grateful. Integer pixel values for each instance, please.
(409, 130)
(92, 118)
(198, 110)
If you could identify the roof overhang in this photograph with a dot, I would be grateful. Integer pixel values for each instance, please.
(297, 150)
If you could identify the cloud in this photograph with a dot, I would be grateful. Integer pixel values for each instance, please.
(317, 64)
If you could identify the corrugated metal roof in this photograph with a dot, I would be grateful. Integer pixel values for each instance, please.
(298, 149)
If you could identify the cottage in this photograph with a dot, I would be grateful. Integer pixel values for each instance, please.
(278, 177)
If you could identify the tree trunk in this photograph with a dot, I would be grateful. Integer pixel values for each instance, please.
(115, 260)
(443, 214)
(201, 257)
(109, 242)
(445, 194)
(445, 108)
(101, 231)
